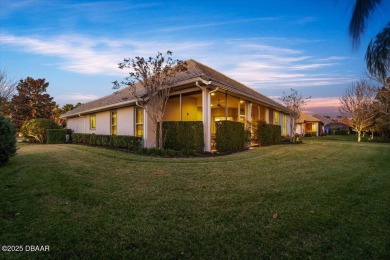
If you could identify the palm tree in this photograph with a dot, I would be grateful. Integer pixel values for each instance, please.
(378, 51)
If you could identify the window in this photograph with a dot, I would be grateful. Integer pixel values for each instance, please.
(284, 129)
(139, 122)
(242, 111)
(276, 118)
(113, 122)
(92, 121)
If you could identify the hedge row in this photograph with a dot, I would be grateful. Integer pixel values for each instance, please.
(184, 135)
(311, 134)
(57, 136)
(230, 136)
(116, 141)
(268, 134)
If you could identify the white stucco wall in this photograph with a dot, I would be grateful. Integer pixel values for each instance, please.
(125, 118)
(76, 124)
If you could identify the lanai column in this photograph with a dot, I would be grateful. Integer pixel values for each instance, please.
(249, 115)
(206, 115)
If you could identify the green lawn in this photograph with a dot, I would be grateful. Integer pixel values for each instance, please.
(332, 200)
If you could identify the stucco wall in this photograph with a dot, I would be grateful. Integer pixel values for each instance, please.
(125, 125)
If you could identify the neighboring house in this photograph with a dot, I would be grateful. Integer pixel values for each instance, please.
(325, 121)
(199, 94)
(308, 124)
(342, 124)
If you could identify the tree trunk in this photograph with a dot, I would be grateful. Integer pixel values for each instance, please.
(359, 136)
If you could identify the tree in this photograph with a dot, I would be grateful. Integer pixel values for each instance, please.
(7, 90)
(150, 81)
(295, 103)
(36, 128)
(358, 103)
(57, 112)
(31, 102)
(377, 54)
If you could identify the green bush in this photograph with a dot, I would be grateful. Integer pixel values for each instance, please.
(36, 128)
(341, 132)
(310, 134)
(230, 136)
(57, 136)
(268, 134)
(7, 140)
(183, 135)
(116, 141)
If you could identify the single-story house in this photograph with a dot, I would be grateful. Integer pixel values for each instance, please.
(308, 124)
(199, 94)
(326, 121)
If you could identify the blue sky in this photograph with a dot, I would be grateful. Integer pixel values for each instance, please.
(269, 45)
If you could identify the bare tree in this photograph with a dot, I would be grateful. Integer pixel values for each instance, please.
(150, 81)
(358, 104)
(295, 104)
(7, 90)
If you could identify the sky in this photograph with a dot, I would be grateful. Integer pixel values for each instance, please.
(269, 45)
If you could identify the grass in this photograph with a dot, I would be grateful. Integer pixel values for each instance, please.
(331, 200)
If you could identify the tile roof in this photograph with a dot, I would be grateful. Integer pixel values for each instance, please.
(323, 119)
(194, 70)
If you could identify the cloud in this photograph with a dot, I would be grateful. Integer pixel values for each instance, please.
(93, 56)
(77, 96)
(213, 24)
(258, 64)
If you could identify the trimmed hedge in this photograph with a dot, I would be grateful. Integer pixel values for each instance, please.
(230, 136)
(115, 141)
(341, 132)
(183, 135)
(7, 140)
(57, 136)
(311, 134)
(268, 134)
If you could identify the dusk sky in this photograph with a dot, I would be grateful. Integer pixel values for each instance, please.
(270, 45)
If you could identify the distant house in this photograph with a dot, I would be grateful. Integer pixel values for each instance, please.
(325, 121)
(342, 124)
(199, 94)
(308, 124)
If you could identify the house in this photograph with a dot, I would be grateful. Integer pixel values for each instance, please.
(308, 124)
(199, 94)
(325, 121)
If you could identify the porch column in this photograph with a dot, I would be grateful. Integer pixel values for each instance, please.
(267, 115)
(206, 116)
(249, 115)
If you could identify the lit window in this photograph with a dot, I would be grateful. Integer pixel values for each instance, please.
(139, 122)
(113, 122)
(284, 125)
(92, 121)
(276, 118)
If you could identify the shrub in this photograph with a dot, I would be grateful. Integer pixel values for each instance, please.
(310, 134)
(230, 136)
(57, 136)
(36, 128)
(268, 134)
(341, 132)
(116, 141)
(7, 140)
(183, 135)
